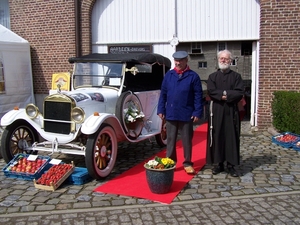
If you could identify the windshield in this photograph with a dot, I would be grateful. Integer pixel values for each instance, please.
(95, 74)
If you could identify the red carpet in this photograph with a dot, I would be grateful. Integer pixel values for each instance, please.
(133, 182)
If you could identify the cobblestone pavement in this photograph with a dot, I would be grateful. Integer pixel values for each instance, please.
(266, 192)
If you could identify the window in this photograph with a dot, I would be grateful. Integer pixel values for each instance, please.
(246, 48)
(4, 13)
(2, 83)
(221, 46)
(202, 65)
(196, 47)
(234, 62)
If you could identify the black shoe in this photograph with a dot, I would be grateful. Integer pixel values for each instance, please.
(218, 169)
(232, 171)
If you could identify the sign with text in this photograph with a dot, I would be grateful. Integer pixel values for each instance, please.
(119, 49)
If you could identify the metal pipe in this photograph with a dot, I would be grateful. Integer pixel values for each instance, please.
(77, 28)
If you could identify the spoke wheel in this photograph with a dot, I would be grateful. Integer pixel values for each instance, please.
(15, 138)
(132, 130)
(101, 152)
(161, 139)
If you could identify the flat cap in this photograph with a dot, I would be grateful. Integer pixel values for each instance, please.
(180, 55)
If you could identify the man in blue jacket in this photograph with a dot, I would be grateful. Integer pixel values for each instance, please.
(180, 104)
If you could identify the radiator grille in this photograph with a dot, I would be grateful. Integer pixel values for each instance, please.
(59, 111)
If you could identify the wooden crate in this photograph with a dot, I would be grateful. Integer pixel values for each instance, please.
(52, 186)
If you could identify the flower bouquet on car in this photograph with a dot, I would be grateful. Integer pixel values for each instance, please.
(132, 113)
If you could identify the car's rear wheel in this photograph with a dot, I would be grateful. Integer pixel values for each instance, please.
(101, 152)
(132, 130)
(161, 139)
(15, 138)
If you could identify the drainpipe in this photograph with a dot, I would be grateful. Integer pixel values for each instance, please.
(77, 28)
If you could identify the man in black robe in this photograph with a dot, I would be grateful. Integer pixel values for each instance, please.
(225, 89)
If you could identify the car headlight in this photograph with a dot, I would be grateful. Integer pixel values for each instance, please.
(77, 115)
(32, 111)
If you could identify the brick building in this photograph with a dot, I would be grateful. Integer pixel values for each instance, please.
(57, 30)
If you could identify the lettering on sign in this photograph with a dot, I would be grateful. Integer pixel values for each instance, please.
(117, 49)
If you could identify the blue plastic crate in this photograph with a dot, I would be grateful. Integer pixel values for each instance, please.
(23, 175)
(79, 176)
(285, 144)
(296, 146)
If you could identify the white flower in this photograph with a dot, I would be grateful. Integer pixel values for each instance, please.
(130, 118)
(152, 162)
(132, 113)
(141, 115)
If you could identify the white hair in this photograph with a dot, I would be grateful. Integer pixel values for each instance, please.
(226, 52)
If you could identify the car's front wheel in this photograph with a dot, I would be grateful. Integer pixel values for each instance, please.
(101, 152)
(15, 138)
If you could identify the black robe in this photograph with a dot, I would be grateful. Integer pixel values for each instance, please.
(223, 139)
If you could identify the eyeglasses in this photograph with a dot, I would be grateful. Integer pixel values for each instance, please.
(224, 59)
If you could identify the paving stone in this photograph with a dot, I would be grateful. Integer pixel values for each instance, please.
(83, 198)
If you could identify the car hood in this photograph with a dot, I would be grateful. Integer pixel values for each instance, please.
(89, 94)
(99, 99)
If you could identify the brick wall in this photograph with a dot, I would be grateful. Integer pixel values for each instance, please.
(49, 27)
(86, 26)
(279, 66)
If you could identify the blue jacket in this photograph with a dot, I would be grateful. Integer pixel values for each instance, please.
(180, 98)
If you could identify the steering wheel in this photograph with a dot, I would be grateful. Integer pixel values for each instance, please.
(105, 82)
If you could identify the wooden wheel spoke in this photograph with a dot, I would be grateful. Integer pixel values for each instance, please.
(104, 161)
(108, 144)
(13, 142)
(15, 150)
(27, 137)
(101, 163)
(15, 137)
(105, 139)
(98, 162)
(99, 142)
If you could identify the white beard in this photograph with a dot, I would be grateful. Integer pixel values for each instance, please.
(224, 66)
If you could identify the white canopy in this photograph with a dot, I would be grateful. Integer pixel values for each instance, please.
(16, 62)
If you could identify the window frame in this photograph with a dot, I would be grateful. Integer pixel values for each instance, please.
(203, 64)
(2, 80)
(196, 48)
(219, 48)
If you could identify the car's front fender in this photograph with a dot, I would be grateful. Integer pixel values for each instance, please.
(93, 123)
(17, 114)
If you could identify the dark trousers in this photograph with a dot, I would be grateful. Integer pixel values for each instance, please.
(186, 131)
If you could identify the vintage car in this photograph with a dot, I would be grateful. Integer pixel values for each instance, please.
(113, 98)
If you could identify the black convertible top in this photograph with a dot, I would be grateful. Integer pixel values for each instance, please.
(149, 58)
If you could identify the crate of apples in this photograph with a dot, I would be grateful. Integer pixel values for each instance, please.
(25, 166)
(54, 177)
(286, 139)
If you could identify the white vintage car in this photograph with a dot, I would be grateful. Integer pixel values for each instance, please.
(113, 98)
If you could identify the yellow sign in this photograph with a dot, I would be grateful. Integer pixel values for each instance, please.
(61, 80)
